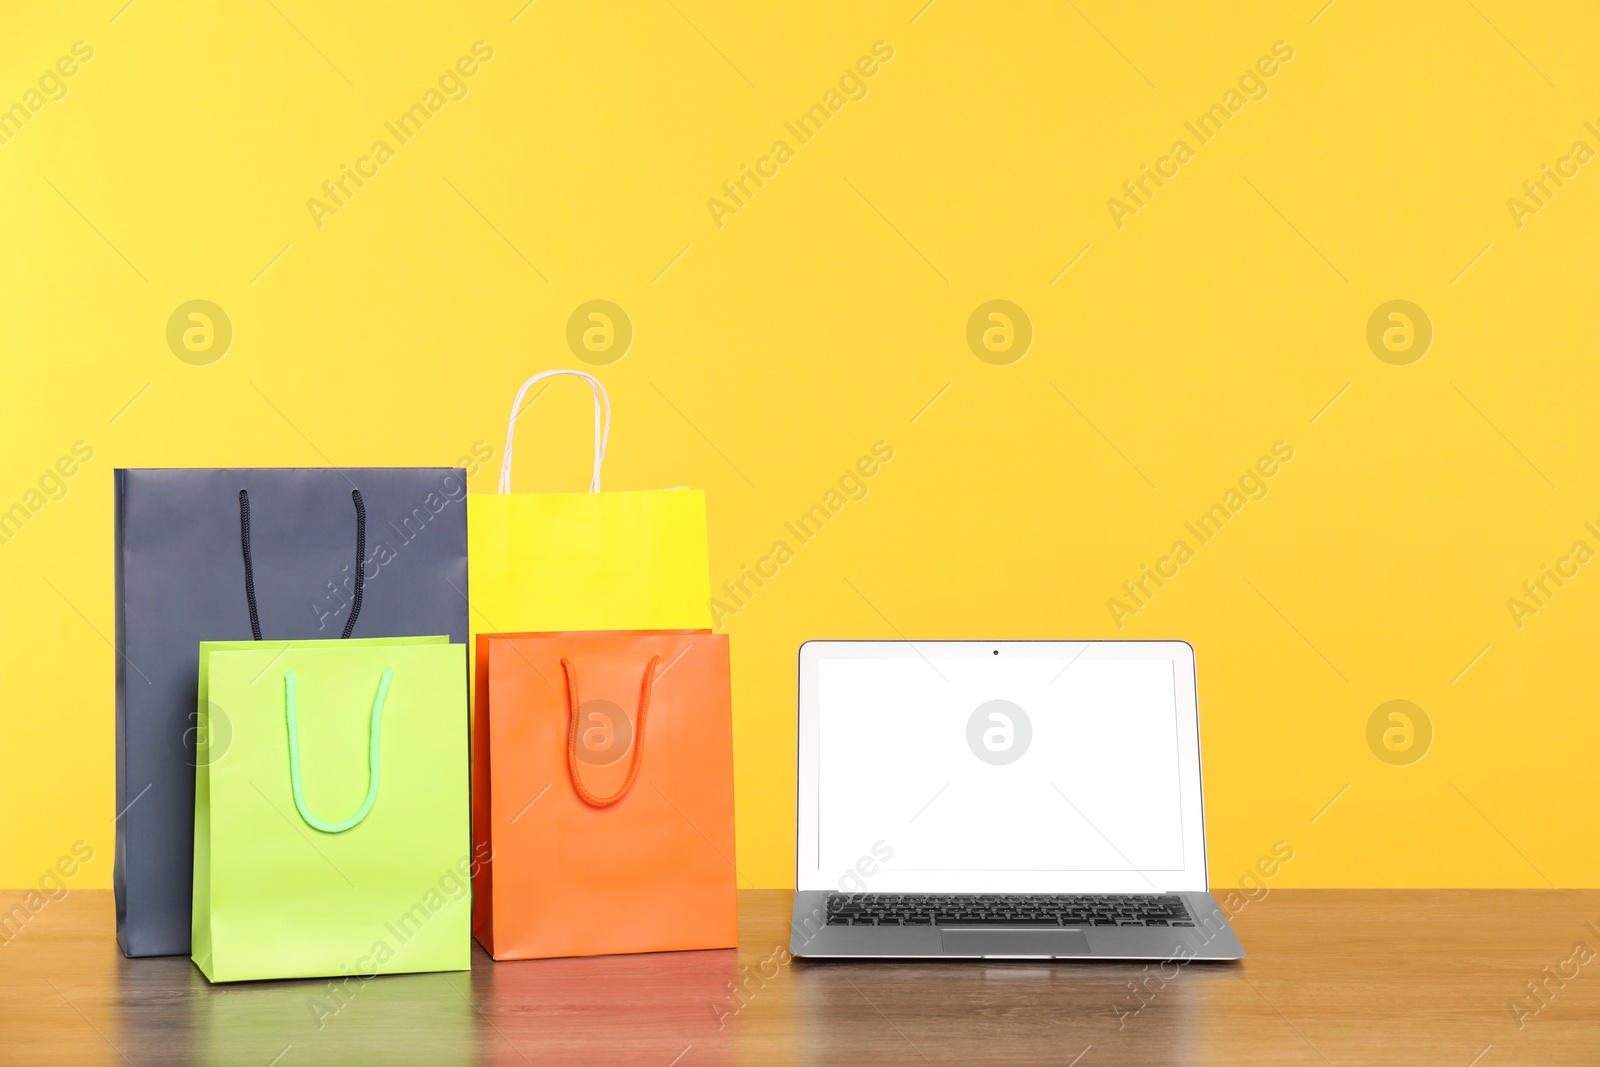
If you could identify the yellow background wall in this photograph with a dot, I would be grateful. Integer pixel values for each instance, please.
(1229, 312)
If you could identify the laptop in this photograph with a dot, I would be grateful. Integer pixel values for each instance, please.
(1002, 800)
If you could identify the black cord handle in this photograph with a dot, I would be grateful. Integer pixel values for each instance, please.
(249, 571)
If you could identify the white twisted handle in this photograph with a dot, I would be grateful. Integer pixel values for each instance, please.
(602, 426)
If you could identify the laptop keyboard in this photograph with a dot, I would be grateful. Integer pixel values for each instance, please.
(942, 909)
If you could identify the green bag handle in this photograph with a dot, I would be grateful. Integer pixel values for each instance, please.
(372, 758)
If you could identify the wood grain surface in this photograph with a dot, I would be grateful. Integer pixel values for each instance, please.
(1334, 977)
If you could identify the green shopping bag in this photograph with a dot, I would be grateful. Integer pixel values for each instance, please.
(332, 809)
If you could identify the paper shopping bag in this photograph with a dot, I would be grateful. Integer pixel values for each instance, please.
(331, 827)
(603, 794)
(587, 561)
(181, 579)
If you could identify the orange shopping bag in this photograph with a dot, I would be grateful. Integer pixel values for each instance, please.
(602, 791)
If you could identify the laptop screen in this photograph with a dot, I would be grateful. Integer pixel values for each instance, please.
(1004, 767)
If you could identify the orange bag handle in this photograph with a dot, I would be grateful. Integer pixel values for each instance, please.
(638, 736)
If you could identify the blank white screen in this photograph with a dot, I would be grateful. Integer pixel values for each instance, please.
(1097, 787)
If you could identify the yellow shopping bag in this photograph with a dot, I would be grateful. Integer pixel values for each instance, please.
(586, 561)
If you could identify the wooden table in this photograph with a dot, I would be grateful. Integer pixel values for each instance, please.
(1334, 977)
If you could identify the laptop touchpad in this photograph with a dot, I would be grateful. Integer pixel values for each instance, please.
(1015, 943)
